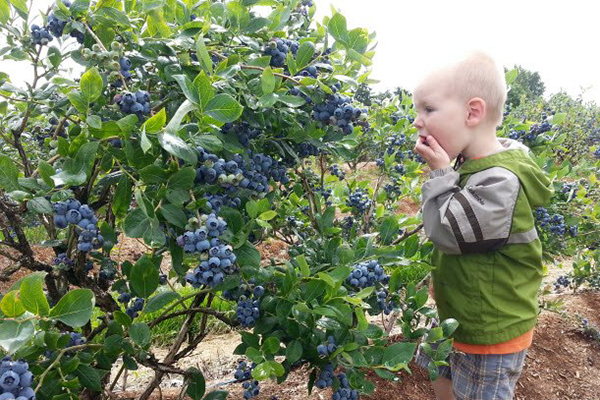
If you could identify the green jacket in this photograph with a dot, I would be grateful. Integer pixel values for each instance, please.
(487, 255)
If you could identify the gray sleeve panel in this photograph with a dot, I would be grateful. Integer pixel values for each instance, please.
(474, 219)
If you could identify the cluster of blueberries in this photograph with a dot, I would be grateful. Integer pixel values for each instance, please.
(534, 131)
(278, 49)
(336, 171)
(75, 339)
(555, 223)
(567, 188)
(327, 349)
(124, 70)
(54, 27)
(216, 170)
(305, 149)
(562, 281)
(359, 201)
(386, 306)
(252, 174)
(309, 72)
(49, 131)
(243, 131)
(134, 103)
(248, 309)
(200, 240)
(325, 378)
(297, 92)
(396, 117)
(345, 392)
(259, 169)
(347, 223)
(216, 201)
(597, 152)
(367, 273)
(393, 145)
(326, 193)
(62, 258)
(15, 380)
(212, 272)
(337, 111)
(74, 213)
(135, 308)
(243, 372)
(393, 188)
(107, 273)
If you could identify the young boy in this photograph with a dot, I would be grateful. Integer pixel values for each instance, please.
(479, 216)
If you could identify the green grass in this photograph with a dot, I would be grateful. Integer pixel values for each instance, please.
(164, 333)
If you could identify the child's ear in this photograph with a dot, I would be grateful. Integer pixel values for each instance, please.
(476, 109)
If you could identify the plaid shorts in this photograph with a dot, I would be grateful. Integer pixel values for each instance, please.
(480, 376)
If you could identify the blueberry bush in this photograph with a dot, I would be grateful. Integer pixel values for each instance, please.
(201, 129)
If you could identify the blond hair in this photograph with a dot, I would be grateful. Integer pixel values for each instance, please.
(478, 75)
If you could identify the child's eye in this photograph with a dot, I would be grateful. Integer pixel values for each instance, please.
(428, 109)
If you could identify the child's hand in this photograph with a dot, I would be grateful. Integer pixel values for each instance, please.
(435, 156)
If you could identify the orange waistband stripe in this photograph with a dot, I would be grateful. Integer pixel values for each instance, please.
(511, 346)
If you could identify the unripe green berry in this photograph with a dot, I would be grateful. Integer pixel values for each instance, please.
(115, 66)
(116, 46)
(96, 47)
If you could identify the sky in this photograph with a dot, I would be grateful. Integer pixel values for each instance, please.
(556, 39)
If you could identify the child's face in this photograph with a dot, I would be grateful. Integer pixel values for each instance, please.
(442, 116)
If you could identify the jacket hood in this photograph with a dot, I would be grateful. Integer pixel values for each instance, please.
(517, 158)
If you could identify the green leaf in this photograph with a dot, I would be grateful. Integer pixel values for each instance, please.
(511, 76)
(46, 171)
(204, 89)
(91, 84)
(337, 28)
(268, 80)
(159, 301)
(268, 215)
(247, 255)
(210, 143)
(216, 395)
(388, 230)
(293, 351)
(78, 100)
(94, 121)
(156, 122)
(4, 11)
(398, 355)
(558, 118)
(197, 385)
(10, 305)
(203, 56)
(157, 24)
(449, 326)
(122, 198)
(21, 6)
(54, 56)
(175, 123)
(271, 345)
(32, 295)
(188, 88)
(40, 205)
(140, 334)
(304, 268)
(144, 277)
(174, 215)
(305, 55)
(89, 377)
(177, 147)
(75, 308)
(153, 174)
(9, 174)
(183, 179)
(137, 224)
(14, 334)
(224, 108)
(291, 101)
(114, 15)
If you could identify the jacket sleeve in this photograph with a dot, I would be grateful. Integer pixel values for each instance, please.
(473, 219)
